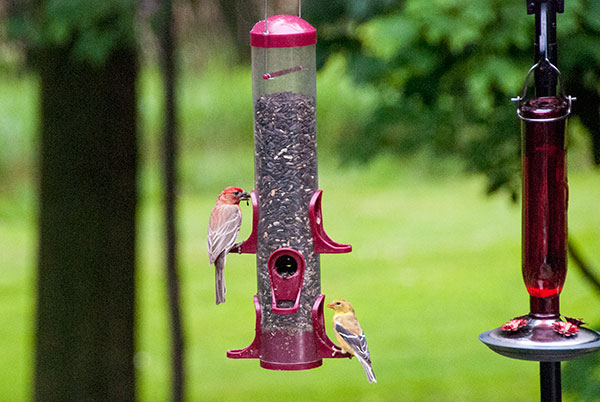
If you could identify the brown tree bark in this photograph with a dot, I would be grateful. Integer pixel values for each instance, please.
(169, 73)
(85, 304)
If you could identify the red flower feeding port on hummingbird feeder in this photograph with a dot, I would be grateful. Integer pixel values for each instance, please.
(542, 335)
(287, 234)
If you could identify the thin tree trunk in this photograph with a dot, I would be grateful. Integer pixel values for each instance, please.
(85, 304)
(239, 17)
(170, 177)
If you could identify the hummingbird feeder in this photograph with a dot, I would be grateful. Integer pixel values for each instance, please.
(542, 335)
(287, 230)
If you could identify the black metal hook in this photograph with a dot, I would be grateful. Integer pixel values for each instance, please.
(546, 46)
(559, 5)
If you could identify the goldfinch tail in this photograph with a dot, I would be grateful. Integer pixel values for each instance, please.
(368, 369)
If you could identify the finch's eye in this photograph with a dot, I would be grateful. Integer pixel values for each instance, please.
(338, 303)
(236, 193)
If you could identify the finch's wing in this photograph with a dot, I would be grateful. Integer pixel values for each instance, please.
(223, 229)
(356, 340)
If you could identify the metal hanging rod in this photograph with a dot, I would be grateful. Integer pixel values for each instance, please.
(266, 14)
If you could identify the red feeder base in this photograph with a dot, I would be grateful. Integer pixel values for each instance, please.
(290, 351)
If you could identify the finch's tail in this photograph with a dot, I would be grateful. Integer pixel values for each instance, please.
(220, 279)
(368, 369)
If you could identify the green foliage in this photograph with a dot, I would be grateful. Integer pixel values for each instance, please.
(93, 30)
(583, 388)
(446, 70)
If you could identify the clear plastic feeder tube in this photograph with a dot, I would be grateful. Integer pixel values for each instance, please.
(283, 70)
(284, 89)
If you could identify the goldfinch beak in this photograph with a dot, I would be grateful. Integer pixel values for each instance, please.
(330, 305)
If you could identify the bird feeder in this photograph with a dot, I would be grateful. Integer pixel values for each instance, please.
(287, 234)
(542, 335)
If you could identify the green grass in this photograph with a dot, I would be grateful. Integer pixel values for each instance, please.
(434, 261)
(434, 264)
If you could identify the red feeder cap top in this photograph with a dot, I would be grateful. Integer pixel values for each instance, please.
(283, 31)
(545, 107)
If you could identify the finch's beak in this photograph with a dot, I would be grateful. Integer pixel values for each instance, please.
(245, 197)
(330, 305)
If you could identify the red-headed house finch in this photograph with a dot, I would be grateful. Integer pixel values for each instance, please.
(350, 335)
(223, 228)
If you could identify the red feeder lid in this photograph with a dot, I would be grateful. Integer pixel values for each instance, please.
(547, 107)
(283, 31)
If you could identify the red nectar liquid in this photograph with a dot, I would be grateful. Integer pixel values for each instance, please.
(545, 195)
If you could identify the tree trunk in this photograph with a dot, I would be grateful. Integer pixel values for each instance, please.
(85, 309)
(167, 41)
(239, 17)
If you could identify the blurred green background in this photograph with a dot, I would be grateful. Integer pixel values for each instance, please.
(418, 160)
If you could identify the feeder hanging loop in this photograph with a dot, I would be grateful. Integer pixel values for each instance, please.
(522, 99)
(546, 46)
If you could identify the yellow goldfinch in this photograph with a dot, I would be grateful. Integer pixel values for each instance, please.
(350, 335)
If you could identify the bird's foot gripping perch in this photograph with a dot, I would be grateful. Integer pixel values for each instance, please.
(336, 351)
(236, 248)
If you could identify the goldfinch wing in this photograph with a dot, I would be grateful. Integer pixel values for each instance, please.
(357, 341)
